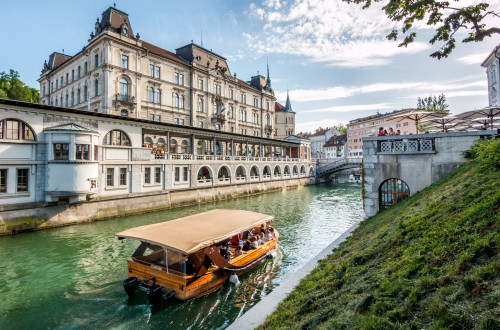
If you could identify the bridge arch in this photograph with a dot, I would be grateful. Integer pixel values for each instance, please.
(392, 191)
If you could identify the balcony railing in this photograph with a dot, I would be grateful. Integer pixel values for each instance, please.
(407, 146)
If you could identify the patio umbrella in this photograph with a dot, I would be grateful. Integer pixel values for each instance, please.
(444, 123)
(418, 115)
(490, 113)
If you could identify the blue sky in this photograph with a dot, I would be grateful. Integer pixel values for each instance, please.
(332, 57)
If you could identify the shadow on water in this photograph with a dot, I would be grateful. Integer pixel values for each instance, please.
(71, 277)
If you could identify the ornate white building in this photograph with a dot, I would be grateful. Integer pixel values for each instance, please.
(284, 119)
(118, 73)
(492, 65)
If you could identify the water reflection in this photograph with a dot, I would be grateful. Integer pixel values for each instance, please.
(71, 277)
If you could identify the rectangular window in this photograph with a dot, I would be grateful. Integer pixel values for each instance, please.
(85, 68)
(176, 121)
(200, 84)
(217, 89)
(231, 94)
(12, 129)
(157, 174)
(177, 174)
(125, 61)
(96, 60)
(185, 173)
(85, 92)
(67, 78)
(152, 70)
(147, 175)
(200, 124)
(79, 72)
(61, 151)
(72, 75)
(181, 79)
(96, 88)
(110, 177)
(158, 72)
(157, 118)
(151, 116)
(123, 176)
(3, 181)
(22, 179)
(176, 78)
(57, 84)
(82, 151)
(181, 122)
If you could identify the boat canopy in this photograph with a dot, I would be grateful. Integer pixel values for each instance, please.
(195, 232)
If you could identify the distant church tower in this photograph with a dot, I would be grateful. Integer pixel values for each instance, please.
(284, 119)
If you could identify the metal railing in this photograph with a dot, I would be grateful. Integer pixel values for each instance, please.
(339, 163)
(407, 146)
(222, 158)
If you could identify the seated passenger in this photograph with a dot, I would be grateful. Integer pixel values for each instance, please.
(263, 228)
(248, 246)
(260, 240)
(238, 252)
(271, 234)
(235, 240)
(224, 251)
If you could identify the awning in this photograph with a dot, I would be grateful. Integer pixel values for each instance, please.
(195, 232)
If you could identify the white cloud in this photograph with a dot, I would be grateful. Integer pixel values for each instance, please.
(332, 32)
(337, 92)
(454, 94)
(358, 107)
(473, 58)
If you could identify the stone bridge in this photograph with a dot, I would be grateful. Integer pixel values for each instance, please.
(399, 166)
(338, 165)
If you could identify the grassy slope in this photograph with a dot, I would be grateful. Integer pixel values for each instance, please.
(432, 261)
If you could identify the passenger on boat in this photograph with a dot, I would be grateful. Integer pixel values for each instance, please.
(247, 233)
(224, 251)
(260, 239)
(263, 228)
(235, 240)
(248, 246)
(238, 252)
(271, 234)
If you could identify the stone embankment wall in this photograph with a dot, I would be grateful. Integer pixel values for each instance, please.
(418, 160)
(28, 217)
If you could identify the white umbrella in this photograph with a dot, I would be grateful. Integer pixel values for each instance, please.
(489, 113)
(418, 115)
(444, 123)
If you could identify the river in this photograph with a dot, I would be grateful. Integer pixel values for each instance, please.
(71, 277)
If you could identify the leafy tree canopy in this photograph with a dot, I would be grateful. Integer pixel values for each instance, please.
(447, 16)
(433, 103)
(11, 87)
(341, 128)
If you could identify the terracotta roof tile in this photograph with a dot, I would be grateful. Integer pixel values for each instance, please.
(278, 107)
(162, 52)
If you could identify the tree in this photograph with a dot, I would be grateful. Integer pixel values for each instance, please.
(341, 128)
(448, 19)
(433, 103)
(13, 88)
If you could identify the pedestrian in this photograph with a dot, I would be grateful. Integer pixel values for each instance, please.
(391, 131)
(380, 132)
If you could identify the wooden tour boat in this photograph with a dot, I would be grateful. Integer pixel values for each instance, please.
(183, 257)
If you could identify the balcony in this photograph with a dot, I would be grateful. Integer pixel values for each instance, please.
(268, 129)
(125, 98)
(220, 118)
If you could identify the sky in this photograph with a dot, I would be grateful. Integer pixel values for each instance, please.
(330, 56)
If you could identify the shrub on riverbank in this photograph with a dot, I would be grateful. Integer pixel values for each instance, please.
(432, 261)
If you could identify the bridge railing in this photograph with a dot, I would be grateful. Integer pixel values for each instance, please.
(407, 146)
(338, 164)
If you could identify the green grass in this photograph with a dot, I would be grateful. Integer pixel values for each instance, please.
(430, 262)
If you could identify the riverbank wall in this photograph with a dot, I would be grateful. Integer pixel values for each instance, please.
(37, 216)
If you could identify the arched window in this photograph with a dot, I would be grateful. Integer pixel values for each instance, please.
(215, 107)
(173, 146)
(123, 89)
(277, 171)
(287, 170)
(160, 144)
(267, 171)
(78, 99)
(268, 119)
(231, 112)
(393, 191)
(302, 170)
(72, 98)
(223, 173)
(200, 105)
(151, 94)
(61, 104)
(181, 102)
(158, 96)
(148, 142)
(311, 171)
(117, 138)
(199, 148)
(184, 147)
(295, 170)
(85, 93)
(240, 172)
(124, 113)
(254, 172)
(66, 104)
(13, 129)
(204, 174)
(176, 100)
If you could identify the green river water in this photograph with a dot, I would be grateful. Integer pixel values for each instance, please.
(71, 277)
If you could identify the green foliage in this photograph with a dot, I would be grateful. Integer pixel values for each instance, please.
(341, 128)
(447, 17)
(430, 262)
(486, 153)
(11, 87)
(433, 103)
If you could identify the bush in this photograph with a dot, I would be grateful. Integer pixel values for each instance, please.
(486, 153)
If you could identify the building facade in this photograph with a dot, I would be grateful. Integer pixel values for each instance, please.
(369, 126)
(117, 73)
(50, 154)
(492, 66)
(319, 139)
(335, 147)
(284, 119)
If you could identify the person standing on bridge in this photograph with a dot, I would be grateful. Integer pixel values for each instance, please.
(381, 131)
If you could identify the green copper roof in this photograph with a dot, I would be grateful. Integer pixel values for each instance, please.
(70, 128)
